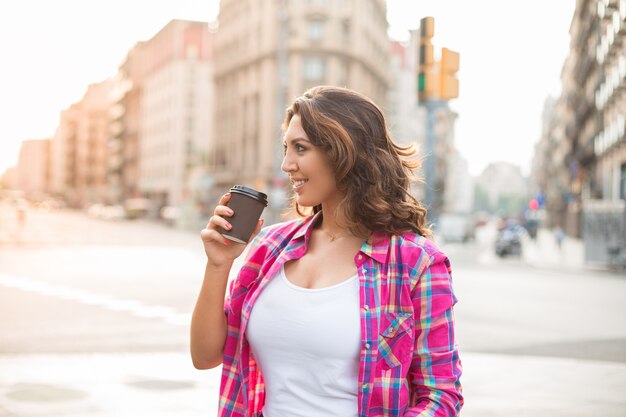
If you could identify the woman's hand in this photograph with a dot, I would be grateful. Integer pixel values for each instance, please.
(220, 251)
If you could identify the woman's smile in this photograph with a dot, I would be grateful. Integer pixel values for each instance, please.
(298, 185)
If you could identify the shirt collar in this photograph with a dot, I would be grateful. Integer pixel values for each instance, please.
(307, 228)
(376, 246)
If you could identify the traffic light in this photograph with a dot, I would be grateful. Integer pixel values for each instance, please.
(448, 67)
(435, 80)
(425, 71)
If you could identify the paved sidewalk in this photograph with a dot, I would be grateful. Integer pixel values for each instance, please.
(544, 252)
(106, 385)
(166, 385)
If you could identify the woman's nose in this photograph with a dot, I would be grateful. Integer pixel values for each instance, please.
(288, 165)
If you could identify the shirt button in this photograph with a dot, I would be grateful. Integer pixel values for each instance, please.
(364, 386)
(365, 270)
(359, 257)
(366, 307)
(367, 346)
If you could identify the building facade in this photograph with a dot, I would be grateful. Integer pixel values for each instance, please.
(33, 167)
(63, 154)
(502, 189)
(160, 132)
(174, 125)
(585, 142)
(402, 110)
(269, 52)
(607, 137)
(79, 149)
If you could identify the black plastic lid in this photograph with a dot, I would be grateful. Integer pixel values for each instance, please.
(257, 195)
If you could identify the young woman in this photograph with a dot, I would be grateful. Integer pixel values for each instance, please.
(347, 311)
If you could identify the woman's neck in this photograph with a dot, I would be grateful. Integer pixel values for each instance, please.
(331, 227)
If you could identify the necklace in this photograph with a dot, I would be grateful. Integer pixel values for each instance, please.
(334, 236)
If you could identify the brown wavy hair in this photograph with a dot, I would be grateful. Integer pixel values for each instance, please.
(372, 171)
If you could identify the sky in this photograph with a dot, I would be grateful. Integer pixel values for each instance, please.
(511, 60)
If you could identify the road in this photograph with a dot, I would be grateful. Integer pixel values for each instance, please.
(94, 320)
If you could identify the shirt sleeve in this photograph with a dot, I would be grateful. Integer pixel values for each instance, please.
(436, 369)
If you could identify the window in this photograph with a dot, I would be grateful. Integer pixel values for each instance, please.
(316, 30)
(190, 123)
(345, 32)
(314, 69)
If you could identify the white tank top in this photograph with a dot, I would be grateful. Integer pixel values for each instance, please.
(307, 344)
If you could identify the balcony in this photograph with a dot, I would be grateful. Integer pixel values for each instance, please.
(582, 69)
(582, 109)
(585, 152)
(572, 98)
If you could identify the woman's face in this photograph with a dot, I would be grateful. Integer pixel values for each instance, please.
(311, 176)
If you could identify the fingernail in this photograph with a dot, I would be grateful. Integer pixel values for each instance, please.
(226, 242)
(229, 211)
(229, 226)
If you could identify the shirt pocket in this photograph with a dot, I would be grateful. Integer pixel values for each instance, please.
(395, 343)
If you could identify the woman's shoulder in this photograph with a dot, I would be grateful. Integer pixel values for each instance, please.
(413, 242)
(422, 254)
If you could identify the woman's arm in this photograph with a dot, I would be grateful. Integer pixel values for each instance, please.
(208, 321)
(436, 368)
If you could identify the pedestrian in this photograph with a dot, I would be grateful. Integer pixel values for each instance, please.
(559, 236)
(20, 211)
(347, 310)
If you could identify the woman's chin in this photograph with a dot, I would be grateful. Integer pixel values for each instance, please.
(303, 202)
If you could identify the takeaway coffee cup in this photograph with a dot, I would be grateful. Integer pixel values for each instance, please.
(247, 205)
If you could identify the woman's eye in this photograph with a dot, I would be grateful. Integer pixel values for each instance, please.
(297, 147)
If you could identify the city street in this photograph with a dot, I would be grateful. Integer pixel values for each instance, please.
(94, 318)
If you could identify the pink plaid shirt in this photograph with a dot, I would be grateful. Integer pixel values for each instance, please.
(409, 363)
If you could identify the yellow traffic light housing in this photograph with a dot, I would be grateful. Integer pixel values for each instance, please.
(448, 67)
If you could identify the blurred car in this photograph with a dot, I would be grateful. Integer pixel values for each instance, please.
(170, 214)
(115, 212)
(509, 241)
(456, 227)
(137, 208)
(106, 212)
(95, 210)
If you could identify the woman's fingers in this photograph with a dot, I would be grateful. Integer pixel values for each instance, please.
(224, 199)
(218, 221)
(223, 211)
(211, 235)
